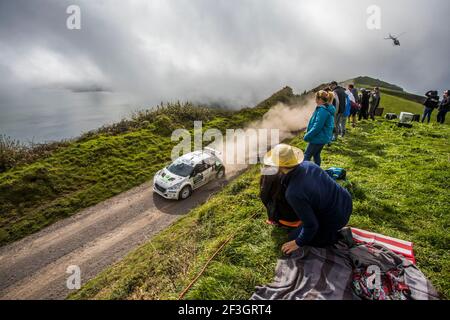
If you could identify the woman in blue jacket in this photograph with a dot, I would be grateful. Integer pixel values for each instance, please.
(320, 127)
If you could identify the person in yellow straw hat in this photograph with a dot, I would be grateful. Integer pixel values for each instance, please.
(279, 212)
(323, 206)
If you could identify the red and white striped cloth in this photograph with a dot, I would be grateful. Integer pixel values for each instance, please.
(405, 248)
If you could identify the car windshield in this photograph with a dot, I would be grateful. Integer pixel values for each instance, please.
(180, 169)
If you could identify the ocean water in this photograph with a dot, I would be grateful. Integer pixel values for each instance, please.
(55, 115)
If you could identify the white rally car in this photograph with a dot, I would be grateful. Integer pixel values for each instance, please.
(187, 173)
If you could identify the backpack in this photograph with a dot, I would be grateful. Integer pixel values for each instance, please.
(337, 173)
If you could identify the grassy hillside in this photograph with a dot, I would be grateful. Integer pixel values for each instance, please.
(405, 95)
(397, 105)
(103, 163)
(399, 180)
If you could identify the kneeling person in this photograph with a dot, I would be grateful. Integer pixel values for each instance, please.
(272, 195)
(323, 206)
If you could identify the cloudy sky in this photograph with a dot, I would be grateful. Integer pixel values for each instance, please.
(56, 82)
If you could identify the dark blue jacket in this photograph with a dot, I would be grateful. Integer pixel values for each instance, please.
(444, 105)
(321, 203)
(321, 125)
(341, 97)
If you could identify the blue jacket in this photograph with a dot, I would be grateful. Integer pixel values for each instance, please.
(320, 202)
(348, 107)
(321, 125)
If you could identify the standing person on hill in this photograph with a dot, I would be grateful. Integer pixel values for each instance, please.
(365, 101)
(340, 103)
(444, 107)
(349, 101)
(430, 104)
(320, 127)
(374, 102)
(356, 106)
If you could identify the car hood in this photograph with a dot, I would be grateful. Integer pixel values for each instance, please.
(167, 179)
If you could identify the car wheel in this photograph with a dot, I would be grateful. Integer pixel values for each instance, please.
(220, 174)
(185, 193)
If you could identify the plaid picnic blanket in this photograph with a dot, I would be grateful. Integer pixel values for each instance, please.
(345, 272)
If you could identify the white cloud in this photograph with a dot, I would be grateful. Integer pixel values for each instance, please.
(239, 51)
(43, 67)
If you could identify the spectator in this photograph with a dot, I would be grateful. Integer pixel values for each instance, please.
(349, 101)
(444, 107)
(320, 127)
(323, 206)
(356, 106)
(430, 104)
(374, 102)
(340, 103)
(365, 100)
(272, 196)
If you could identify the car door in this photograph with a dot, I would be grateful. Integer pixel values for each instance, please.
(209, 169)
(199, 177)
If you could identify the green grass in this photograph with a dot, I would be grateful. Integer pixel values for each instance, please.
(405, 95)
(392, 104)
(102, 164)
(399, 179)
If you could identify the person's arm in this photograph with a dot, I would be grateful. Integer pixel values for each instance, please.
(336, 98)
(373, 101)
(306, 214)
(317, 126)
(266, 187)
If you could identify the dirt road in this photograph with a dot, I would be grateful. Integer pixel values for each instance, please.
(35, 267)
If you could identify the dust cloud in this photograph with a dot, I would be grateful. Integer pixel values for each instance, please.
(243, 147)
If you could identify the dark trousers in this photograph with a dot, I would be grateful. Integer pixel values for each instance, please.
(313, 151)
(441, 116)
(427, 114)
(281, 210)
(372, 112)
(364, 113)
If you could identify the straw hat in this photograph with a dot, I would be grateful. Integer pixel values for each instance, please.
(284, 156)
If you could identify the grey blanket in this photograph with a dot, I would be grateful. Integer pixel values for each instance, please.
(326, 274)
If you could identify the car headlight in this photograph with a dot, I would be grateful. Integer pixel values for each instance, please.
(175, 186)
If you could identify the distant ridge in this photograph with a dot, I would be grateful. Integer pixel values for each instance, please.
(371, 82)
(386, 87)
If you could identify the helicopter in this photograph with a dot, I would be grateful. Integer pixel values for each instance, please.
(395, 41)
